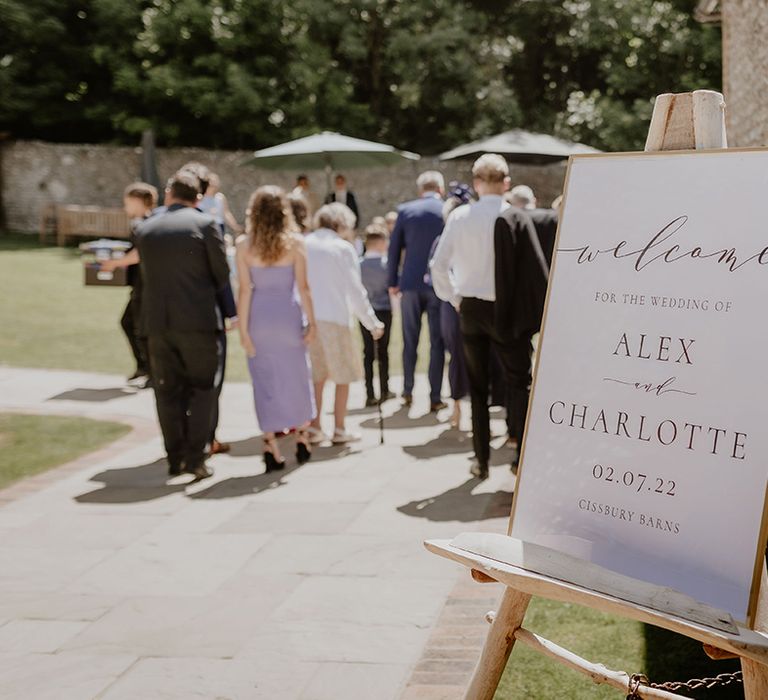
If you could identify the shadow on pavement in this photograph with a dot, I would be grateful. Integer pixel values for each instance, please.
(254, 447)
(95, 395)
(460, 504)
(399, 420)
(236, 486)
(450, 441)
(133, 484)
(364, 411)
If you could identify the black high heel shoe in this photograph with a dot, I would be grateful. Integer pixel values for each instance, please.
(303, 453)
(270, 461)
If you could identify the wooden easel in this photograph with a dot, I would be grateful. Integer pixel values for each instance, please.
(680, 122)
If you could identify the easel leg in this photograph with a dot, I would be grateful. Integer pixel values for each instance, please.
(755, 680)
(498, 646)
(756, 674)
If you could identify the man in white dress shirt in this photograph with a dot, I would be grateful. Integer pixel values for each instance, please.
(304, 190)
(463, 274)
(333, 271)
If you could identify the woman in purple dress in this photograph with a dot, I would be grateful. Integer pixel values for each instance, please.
(277, 322)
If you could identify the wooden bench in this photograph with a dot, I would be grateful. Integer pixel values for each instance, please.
(89, 222)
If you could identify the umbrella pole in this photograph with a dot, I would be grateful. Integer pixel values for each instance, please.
(328, 172)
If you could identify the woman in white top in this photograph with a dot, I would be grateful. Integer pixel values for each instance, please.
(333, 270)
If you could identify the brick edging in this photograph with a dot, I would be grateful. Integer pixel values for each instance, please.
(453, 648)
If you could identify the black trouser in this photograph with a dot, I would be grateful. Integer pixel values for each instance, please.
(478, 331)
(382, 353)
(130, 325)
(184, 366)
(219, 384)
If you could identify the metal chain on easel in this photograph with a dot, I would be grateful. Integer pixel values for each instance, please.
(637, 680)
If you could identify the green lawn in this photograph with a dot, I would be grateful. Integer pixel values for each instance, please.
(32, 444)
(622, 645)
(51, 319)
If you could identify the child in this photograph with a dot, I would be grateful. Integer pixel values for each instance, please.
(139, 199)
(373, 270)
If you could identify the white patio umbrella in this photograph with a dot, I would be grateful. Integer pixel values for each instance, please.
(329, 151)
(520, 146)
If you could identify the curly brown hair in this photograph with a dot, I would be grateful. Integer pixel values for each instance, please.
(271, 223)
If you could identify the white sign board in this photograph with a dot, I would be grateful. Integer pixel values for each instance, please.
(647, 439)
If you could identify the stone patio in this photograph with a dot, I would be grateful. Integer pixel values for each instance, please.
(118, 584)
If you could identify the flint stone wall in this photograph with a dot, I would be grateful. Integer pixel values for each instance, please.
(745, 71)
(35, 173)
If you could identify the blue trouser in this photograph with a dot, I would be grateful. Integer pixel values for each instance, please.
(413, 304)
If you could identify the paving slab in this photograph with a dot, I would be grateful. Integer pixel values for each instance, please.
(356, 680)
(311, 583)
(178, 564)
(37, 636)
(58, 676)
(211, 679)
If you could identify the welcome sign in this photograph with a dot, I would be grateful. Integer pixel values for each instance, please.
(647, 441)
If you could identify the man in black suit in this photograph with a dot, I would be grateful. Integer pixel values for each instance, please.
(544, 220)
(521, 274)
(183, 266)
(343, 195)
(228, 308)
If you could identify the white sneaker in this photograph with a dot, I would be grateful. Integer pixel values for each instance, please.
(316, 436)
(342, 437)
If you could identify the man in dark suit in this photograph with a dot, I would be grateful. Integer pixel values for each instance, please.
(228, 308)
(521, 273)
(544, 220)
(344, 196)
(183, 267)
(419, 223)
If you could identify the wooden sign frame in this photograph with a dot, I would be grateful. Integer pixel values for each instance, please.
(680, 122)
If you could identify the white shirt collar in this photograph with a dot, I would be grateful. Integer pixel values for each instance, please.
(326, 233)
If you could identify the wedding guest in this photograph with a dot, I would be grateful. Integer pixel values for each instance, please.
(463, 271)
(274, 302)
(183, 266)
(334, 277)
(373, 271)
(300, 211)
(342, 195)
(227, 307)
(304, 190)
(390, 219)
(521, 273)
(544, 220)
(139, 200)
(419, 223)
(215, 203)
(458, 381)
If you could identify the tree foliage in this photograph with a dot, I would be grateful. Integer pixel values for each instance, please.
(422, 74)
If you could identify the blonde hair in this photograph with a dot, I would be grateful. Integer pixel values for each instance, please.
(335, 216)
(271, 223)
(490, 167)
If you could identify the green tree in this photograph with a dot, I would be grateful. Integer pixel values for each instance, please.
(48, 80)
(589, 69)
(421, 74)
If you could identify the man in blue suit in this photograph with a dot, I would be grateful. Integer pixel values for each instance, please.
(419, 223)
